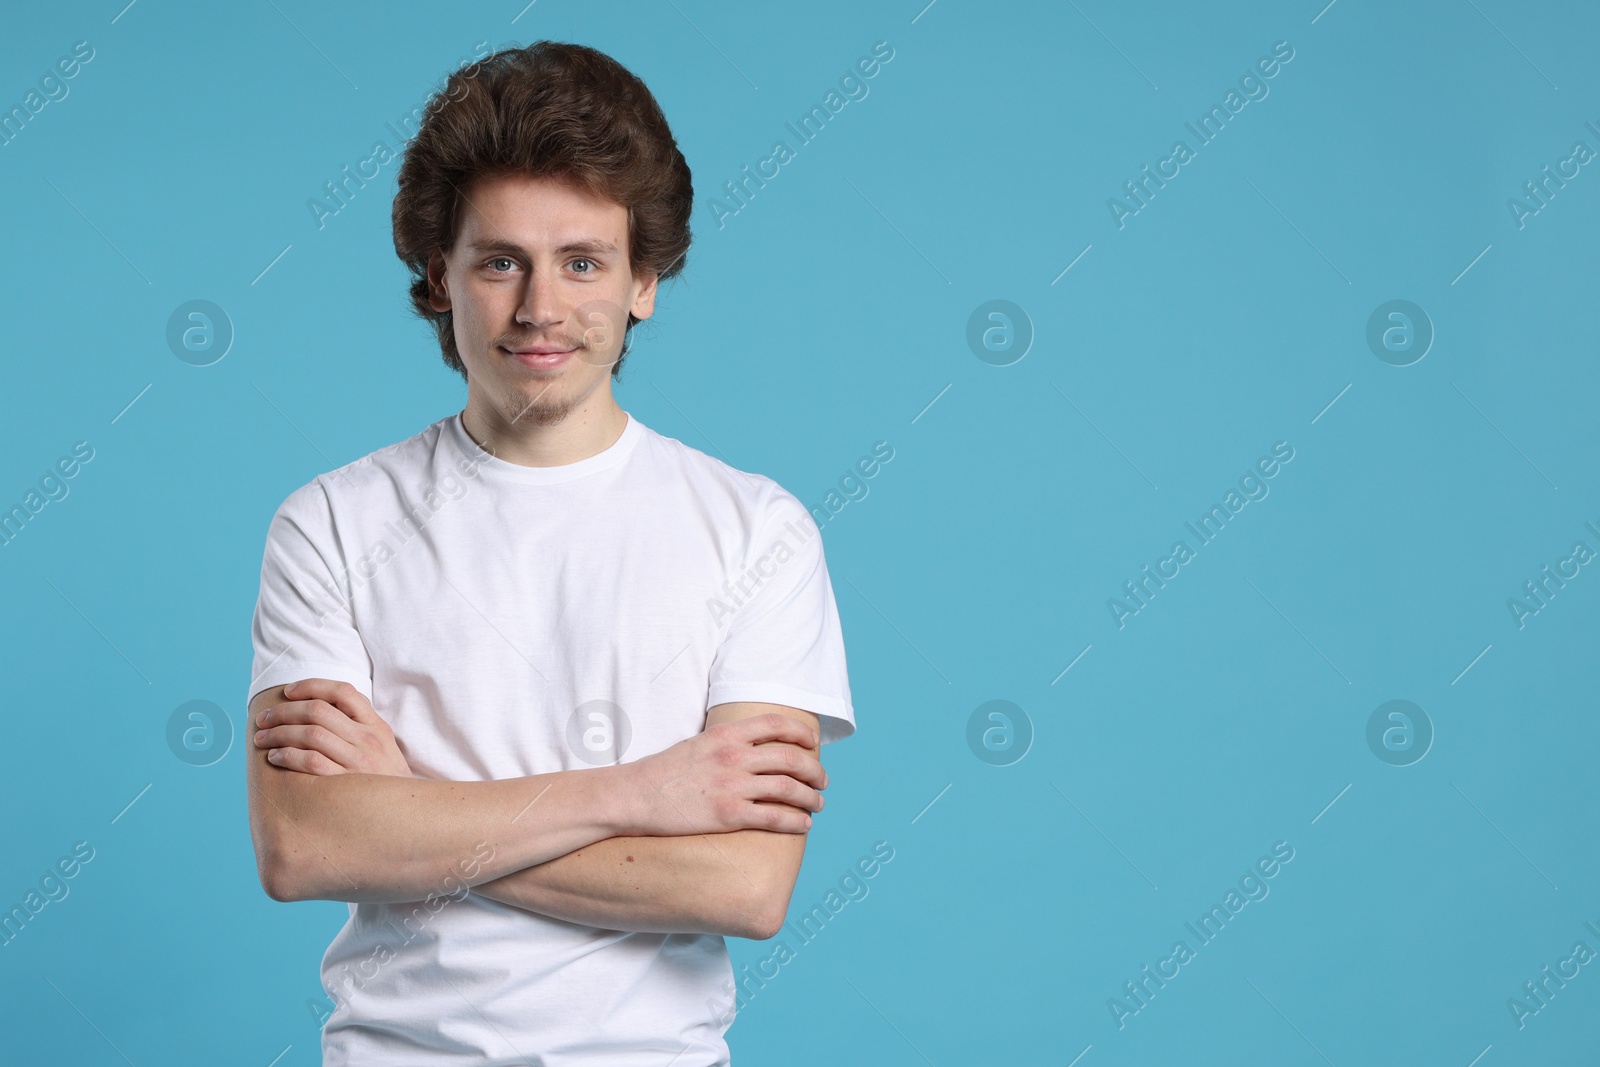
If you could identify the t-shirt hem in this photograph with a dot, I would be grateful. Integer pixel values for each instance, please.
(285, 671)
(835, 715)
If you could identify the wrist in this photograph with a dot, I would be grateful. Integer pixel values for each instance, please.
(619, 808)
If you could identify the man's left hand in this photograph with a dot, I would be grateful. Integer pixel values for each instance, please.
(325, 727)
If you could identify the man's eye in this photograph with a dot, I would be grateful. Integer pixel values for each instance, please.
(500, 259)
(590, 262)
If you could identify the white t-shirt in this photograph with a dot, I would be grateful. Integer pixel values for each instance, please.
(508, 620)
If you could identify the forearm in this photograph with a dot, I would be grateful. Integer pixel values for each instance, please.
(369, 837)
(324, 829)
(702, 883)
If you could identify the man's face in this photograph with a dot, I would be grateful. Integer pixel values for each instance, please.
(539, 288)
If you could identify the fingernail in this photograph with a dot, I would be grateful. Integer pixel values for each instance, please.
(260, 735)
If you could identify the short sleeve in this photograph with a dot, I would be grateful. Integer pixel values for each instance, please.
(303, 626)
(783, 643)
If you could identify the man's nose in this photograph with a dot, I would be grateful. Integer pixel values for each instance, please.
(541, 301)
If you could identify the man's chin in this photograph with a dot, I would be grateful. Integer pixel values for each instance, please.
(525, 398)
(538, 410)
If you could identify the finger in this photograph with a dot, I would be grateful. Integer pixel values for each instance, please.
(775, 726)
(312, 738)
(317, 712)
(342, 695)
(797, 763)
(783, 818)
(310, 689)
(303, 760)
(782, 787)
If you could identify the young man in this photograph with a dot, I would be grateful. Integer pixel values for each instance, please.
(538, 690)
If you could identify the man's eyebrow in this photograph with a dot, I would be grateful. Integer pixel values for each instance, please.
(589, 246)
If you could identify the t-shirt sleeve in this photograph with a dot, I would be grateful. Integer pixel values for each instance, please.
(783, 643)
(303, 626)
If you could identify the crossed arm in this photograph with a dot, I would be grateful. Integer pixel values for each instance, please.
(736, 883)
(706, 837)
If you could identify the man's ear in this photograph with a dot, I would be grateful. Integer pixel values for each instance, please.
(438, 291)
(644, 305)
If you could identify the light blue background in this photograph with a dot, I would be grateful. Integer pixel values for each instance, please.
(1225, 316)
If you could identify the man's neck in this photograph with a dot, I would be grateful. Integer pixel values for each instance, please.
(588, 430)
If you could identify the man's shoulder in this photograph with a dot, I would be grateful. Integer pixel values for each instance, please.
(360, 477)
(717, 481)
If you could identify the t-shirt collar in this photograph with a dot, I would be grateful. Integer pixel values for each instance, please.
(605, 459)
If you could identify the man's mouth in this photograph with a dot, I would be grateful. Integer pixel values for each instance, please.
(540, 357)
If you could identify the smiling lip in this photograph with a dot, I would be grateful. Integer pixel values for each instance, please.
(538, 360)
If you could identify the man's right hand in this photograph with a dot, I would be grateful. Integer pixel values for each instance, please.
(731, 777)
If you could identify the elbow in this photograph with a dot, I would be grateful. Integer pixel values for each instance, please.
(276, 883)
(763, 925)
(287, 838)
(763, 913)
(278, 877)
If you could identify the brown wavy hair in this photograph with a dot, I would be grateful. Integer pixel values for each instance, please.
(550, 109)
